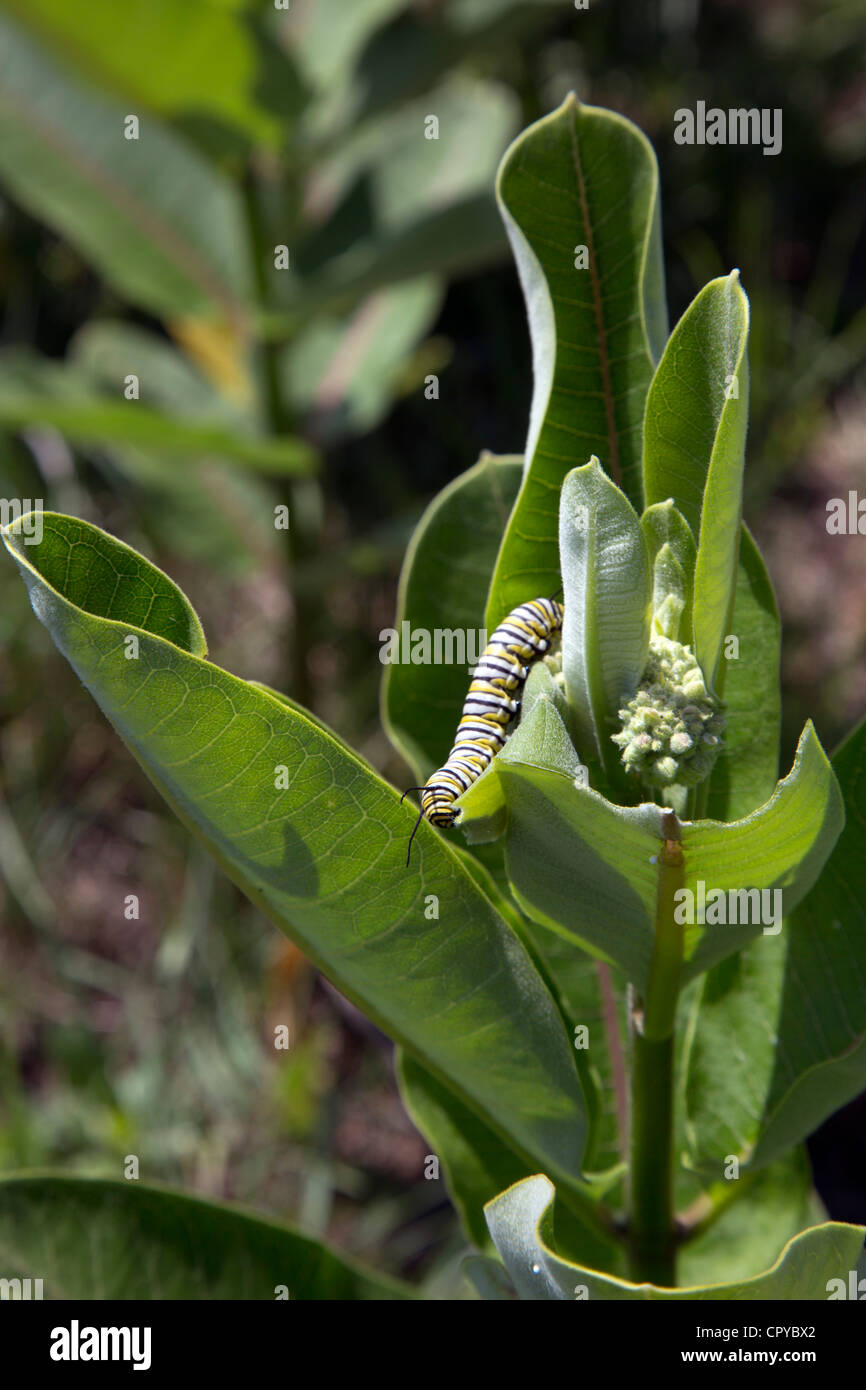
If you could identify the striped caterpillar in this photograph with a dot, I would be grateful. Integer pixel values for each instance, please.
(491, 704)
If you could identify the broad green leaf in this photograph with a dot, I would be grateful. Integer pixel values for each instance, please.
(315, 840)
(748, 764)
(820, 1066)
(488, 1279)
(544, 738)
(667, 532)
(586, 178)
(328, 37)
(593, 996)
(694, 446)
(541, 683)
(520, 1223)
(546, 743)
(442, 587)
(346, 370)
(781, 848)
(412, 168)
(801, 1052)
(753, 1223)
(587, 868)
(607, 597)
(485, 817)
(174, 56)
(592, 1002)
(478, 1165)
(107, 350)
(578, 864)
(576, 995)
(690, 394)
(163, 226)
(90, 1238)
(665, 524)
(475, 1162)
(452, 240)
(36, 391)
(750, 1229)
(394, 203)
(669, 593)
(732, 1042)
(361, 63)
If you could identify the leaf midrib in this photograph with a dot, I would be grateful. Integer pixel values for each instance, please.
(613, 465)
(137, 213)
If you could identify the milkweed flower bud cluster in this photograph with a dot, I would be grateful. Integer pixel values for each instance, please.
(553, 662)
(672, 728)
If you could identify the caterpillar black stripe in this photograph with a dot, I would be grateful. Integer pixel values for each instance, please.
(491, 703)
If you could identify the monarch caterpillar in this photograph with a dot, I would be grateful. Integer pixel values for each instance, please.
(492, 702)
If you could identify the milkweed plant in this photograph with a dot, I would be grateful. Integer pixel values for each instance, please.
(625, 968)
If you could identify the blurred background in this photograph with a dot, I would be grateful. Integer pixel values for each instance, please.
(154, 257)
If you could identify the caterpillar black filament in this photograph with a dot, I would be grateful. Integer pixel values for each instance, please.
(491, 704)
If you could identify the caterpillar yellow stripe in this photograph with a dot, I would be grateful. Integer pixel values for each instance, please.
(492, 702)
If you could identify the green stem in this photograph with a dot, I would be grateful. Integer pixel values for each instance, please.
(275, 406)
(652, 1248)
(652, 1226)
(702, 792)
(303, 498)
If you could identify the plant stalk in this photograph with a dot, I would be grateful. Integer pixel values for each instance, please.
(652, 1226)
(302, 537)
